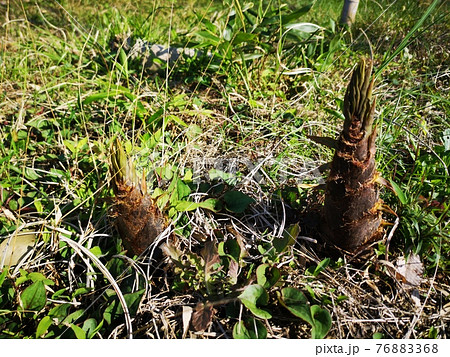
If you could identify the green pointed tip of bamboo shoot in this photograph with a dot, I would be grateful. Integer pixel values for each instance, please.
(358, 108)
(122, 169)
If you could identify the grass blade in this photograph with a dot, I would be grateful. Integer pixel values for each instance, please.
(406, 41)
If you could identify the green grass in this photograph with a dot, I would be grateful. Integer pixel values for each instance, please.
(206, 128)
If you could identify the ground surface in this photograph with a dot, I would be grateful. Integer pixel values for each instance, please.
(222, 140)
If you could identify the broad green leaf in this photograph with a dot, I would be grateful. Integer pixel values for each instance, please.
(155, 116)
(132, 300)
(322, 322)
(229, 178)
(97, 251)
(73, 317)
(267, 275)
(43, 326)
(249, 57)
(177, 120)
(30, 174)
(36, 276)
(336, 113)
(59, 293)
(186, 206)
(311, 292)
(98, 328)
(236, 201)
(253, 297)
(38, 205)
(34, 297)
(211, 203)
(230, 248)
(163, 200)
(80, 291)
(13, 205)
(244, 37)
(157, 192)
(89, 327)
(209, 37)
(179, 101)
(123, 61)
(249, 328)
(297, 303)
(79, 332)
(99, 96)
(59, 312)
(183, 190)
(22, 278)
(110, 312)
(69, 144)
(322, 266)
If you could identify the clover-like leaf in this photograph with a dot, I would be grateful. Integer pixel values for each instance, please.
(267, 275)
(253, 297)
(297, 303)
(322, 322)
(89, 327)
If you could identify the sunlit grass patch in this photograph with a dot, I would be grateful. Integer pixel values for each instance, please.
(222, 141)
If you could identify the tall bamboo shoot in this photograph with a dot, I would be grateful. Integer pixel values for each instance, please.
(139, 221)
(352, 215)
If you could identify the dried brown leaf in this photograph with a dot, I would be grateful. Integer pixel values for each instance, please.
(210, 255)
(7, 213)
(187, 315)
(233, 271)
(409, 272)
(202, 316)
(13, 249)
(171, 251)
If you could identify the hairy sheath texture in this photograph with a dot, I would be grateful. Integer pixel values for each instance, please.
(138, 219)
(351, 210)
